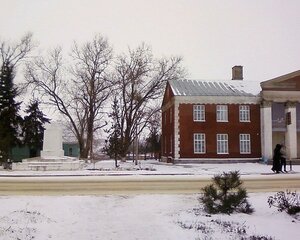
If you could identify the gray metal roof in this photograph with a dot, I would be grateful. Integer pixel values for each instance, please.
(215, 88)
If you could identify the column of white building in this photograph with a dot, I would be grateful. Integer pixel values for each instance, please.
(267, 132)
(291, 130)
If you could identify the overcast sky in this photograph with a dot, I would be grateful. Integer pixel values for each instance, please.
(211, 36)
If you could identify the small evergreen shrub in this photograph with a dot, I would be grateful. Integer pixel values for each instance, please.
(285, 201)
(257, 237)
(225, 195)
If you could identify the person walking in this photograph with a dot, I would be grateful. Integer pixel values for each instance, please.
(283, 157)
(276, 159)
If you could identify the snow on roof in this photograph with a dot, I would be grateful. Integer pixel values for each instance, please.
(215, 88)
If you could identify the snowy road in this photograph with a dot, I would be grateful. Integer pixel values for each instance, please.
(89, 185)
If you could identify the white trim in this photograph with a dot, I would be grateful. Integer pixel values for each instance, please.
(266, 130)
(176, 129)
(291, 132)
(281, 96)
(280, 79)
(223, 141)
(246, 112)
(218, 99)
(248, 141)
(195, 110)
(222, 113)
(204, 142)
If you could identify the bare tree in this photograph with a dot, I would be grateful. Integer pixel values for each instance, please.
(153, 139)
(90, 71)
(12, 54)
(140, 81)
(78, 90)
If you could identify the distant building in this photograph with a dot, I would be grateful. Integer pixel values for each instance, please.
(232, 120)
(71, 149)
(22, 152)
(280, 114)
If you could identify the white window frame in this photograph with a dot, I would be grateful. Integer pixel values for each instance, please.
(222, 144)
(199, 143)
(222, 113)
(245, 143)
(199, 113)
(244, 113)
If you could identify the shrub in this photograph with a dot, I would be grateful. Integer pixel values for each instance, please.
(288, 202)
(225, 195)
(257, 237)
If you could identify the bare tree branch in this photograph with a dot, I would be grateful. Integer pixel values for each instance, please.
(79, 90)
(12, 54)
(140, 81)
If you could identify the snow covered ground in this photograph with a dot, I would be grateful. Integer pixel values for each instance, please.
(152, 216)
(144, 217)
(153, 167)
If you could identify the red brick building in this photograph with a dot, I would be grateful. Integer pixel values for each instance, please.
(232, 120)
(210, 120)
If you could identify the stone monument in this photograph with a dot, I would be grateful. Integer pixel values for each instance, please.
(52, 156)
(52, 144)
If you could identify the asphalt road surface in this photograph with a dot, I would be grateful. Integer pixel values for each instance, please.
(97, 185)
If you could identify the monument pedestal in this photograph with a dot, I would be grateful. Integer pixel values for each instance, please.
(39, 164)
(52, 157)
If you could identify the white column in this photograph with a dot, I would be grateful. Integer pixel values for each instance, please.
(266, 130)
(291, 131)
(176, 131)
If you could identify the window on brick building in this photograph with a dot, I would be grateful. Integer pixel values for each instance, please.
(222, 113)
(245, 143)
(199, 113)
(171, 113)
(222, 143)
(244, 113)
(199, 143)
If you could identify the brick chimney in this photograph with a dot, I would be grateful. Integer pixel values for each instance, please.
(237, 73)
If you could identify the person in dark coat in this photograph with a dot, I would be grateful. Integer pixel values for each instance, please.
(277, 159)
(283, 157)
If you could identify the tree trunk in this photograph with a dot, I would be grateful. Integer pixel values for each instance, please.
(82, 149)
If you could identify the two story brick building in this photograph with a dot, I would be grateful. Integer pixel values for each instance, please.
(208, 121)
